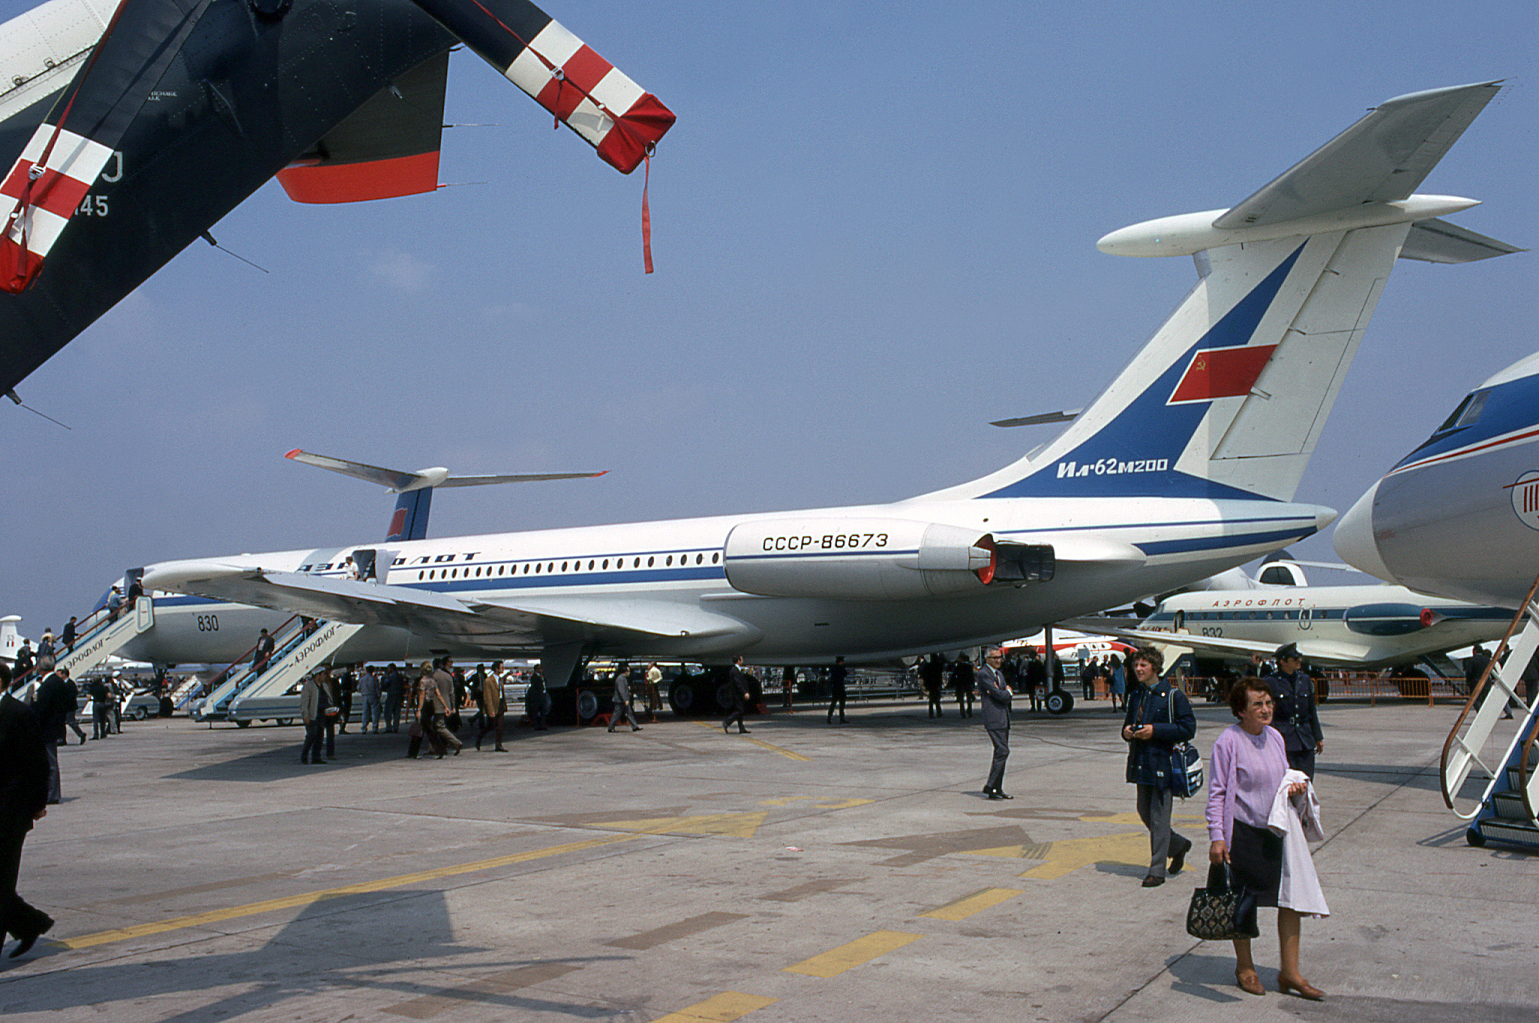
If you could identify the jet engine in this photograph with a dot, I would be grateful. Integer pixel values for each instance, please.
(874, 559)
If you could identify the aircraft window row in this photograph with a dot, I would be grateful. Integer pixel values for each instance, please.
(549, 567)
(1233, 616)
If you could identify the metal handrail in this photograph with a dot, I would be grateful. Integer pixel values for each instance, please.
(1475, 692)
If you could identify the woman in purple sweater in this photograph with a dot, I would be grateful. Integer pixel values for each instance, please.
(1248, 765)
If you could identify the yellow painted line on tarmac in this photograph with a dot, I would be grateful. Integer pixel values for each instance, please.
(977, 902)
(307, 898)
(856, 953)
(766, 745)
(722, 1008)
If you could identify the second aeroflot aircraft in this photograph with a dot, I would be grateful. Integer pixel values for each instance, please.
(1184, 466)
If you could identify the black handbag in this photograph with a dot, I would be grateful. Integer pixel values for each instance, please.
(1221, 911)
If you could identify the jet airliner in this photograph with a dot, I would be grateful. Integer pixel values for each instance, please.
(1185, 466)
(1459, 516)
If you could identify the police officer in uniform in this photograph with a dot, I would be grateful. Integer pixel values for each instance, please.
(1294, 713)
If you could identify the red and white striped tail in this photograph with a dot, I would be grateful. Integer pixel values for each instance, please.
(45, 192)
(589, 94)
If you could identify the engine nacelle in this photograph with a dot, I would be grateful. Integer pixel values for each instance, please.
(858, 559)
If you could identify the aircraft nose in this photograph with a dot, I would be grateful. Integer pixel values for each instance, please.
(1354, 540)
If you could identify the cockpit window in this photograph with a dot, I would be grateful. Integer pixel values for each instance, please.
(1468, 412)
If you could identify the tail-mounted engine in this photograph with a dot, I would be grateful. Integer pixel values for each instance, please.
(875, 559)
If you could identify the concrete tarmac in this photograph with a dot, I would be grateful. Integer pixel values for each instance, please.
(800, 872)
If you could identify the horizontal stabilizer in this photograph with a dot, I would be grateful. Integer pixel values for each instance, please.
(1381, 158)
(1438, 241)
(399, 481)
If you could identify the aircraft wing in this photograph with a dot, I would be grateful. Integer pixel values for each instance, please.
(186, 107)
(1325, 654)
(537, 622)
(1381, 158)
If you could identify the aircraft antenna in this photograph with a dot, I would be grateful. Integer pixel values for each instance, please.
(210, 239)
(11, 394)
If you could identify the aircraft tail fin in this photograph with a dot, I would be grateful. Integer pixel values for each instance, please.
(1230, 395)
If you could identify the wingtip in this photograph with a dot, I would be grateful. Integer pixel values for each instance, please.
(294, 454)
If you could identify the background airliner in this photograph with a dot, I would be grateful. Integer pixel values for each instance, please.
(1185, 466)
(1332, 626)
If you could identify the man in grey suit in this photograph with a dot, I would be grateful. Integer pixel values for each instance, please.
(622, 711)
(994, 706)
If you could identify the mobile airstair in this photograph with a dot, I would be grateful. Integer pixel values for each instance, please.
(1483, 746)
(243, 671)
(100, 636)
(275, 696)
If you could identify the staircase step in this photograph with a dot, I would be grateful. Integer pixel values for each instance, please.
(1510, 831)
(1508, 806)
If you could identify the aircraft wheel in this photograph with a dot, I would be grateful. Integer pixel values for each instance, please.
(681, 697)
(244, 723)
(1475, 838)
(587, 706)
(1059, 701)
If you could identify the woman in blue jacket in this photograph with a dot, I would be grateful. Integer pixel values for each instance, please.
(1158, 718)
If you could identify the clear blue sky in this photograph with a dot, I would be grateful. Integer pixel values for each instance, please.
(872, 236)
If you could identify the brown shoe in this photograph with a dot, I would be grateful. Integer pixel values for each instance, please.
(1300, 987)
(1249, 982)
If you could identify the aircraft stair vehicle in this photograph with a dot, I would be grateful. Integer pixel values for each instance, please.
(102, 636)
(1506, 809)
(242, 672)
(275, 695)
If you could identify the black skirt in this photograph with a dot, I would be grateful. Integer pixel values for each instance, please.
(1255, 859)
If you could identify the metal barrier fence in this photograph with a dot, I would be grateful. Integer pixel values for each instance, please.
(1345, 686)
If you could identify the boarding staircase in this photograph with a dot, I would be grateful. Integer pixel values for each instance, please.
(1505, 811)
(276, 694)
(99, 637)
(243, 671)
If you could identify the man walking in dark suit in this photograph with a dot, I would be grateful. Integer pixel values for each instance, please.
(54, 700)
(23, 800)
(742, 692)
(994, 705)
(837, 689)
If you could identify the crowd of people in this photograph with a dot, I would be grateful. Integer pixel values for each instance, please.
(1261, 807)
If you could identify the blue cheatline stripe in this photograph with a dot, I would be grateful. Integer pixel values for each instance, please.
(1187, 524)
(508, 582)
(1204, 543)
(1508, 408)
